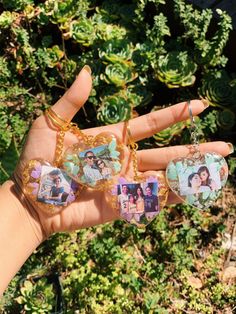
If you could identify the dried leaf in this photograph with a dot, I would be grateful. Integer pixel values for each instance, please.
(195, 282)
(228, 274)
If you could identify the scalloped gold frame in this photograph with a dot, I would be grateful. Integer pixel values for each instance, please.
(28, 189)
(99, 140)
(163, 191)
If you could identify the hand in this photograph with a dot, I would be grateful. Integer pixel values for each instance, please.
(91, 208)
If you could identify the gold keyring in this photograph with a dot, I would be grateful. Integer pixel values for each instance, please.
(128, 135)
(57, 120)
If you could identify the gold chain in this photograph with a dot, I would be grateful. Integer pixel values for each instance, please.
(73, 128)
(133, 151)
(62, 126)
(88, 139)
(133, 147)
(59, 147)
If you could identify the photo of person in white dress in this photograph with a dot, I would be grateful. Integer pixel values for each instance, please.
(139, 197)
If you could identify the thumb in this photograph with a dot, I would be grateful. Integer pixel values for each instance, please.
(75, 97)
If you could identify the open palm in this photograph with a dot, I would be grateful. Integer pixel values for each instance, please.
(91, 207)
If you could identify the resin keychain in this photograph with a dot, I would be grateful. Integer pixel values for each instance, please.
(199, 178)
(46, 184)
(94, 160)
(138, 200)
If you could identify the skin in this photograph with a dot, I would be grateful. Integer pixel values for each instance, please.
(57, 184)
(124, 189)
(102, 166)
(139, 192)
(204, 176)
(90, 161)
(19, 240)
(196, 182)
(92, 208)
(148, 191)
(131, 199)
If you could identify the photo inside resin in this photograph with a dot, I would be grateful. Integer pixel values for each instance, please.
(96, 163)
(138, 201)
(199, 179)
(55, 187)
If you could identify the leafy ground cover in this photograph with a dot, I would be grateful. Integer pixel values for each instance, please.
(174, 266)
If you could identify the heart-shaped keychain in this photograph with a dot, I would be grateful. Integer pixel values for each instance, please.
(198, 181)
(199, 178)
(46, 185)
(49, 186)
(138, 201)
(93, 161)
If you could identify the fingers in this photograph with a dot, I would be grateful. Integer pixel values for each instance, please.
(75, 97)
(158, 158)
(153, 122)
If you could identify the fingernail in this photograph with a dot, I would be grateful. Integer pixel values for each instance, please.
(231, 148)
(205, 103)
(87, 68)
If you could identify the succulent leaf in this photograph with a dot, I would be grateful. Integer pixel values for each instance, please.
(165, 136)
(119, 74)
(82, 31)
(176, 69)
(114, 108)
(219, 88)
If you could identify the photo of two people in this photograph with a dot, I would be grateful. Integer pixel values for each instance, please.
(202, 178)
(137, 200)
(56, 187)
(96, 164)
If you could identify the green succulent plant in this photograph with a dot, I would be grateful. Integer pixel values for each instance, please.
(175, 69)
(138, 95)
(165, 136)
(219, 88)
(143, 55)
(37, 298)
(63, 12)
(114, 108)
(7, 18)
(49, 57)
(226, 119)
(119, 74)
(16, 5)
(156, 34)
(5, 72)
(82, 31)
(107, 32)
(116, 51)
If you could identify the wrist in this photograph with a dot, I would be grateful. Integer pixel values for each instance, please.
(26, 209)
(20, 232)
